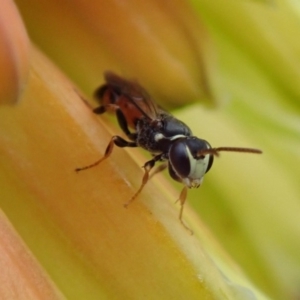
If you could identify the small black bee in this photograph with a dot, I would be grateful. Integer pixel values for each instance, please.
(168, 139)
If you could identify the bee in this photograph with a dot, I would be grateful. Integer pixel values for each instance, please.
(150, 127)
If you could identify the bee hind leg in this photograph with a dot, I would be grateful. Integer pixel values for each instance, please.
(115, 140)
(120, 118)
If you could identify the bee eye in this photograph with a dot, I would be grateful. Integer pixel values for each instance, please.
(179, 157)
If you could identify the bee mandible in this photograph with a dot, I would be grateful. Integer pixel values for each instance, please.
(148, 126)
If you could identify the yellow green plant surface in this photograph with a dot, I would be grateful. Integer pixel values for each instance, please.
(241, 57)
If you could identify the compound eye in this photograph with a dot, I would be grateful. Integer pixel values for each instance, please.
(210, 162)
(179, 157)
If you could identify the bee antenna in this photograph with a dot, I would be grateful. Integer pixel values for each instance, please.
(215, 151)
(238, 149)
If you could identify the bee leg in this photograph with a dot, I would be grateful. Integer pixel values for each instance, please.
(182, 199)
(100, 110)
(123, 125)
(120, 117)
(147, 167)
(115, 140)
(159, 169)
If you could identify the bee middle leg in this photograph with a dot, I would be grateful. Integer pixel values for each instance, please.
(147, 167)
(159, 169)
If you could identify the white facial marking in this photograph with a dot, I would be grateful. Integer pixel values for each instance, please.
(198, 169)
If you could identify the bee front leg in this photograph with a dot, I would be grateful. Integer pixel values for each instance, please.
(182, 199)
(115, 140)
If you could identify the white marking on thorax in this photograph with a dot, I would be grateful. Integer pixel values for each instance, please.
(160, 136)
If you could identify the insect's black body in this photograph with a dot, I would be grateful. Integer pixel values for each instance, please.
(165, 137)
(157, 135)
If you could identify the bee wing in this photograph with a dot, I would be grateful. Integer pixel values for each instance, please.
(136, 94)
